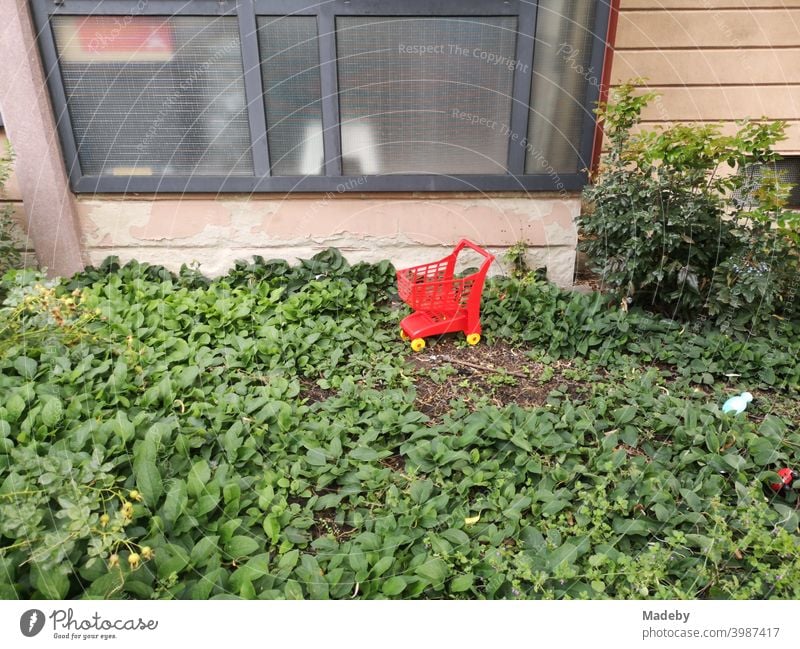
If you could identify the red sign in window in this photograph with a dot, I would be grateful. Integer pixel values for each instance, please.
(117, 38)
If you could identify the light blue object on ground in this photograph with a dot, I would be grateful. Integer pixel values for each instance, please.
(738, 403)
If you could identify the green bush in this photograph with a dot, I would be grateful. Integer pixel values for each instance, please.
(758, 281)
(9, 254)
(664, 231)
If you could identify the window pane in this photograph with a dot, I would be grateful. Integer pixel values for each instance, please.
(561, 76)
(425, 95)
(290, 69)
(155, 95)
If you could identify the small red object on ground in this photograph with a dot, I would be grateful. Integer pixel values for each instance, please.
(787, 478)
(442, 303)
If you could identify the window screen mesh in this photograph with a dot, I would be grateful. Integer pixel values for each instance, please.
(425, 95)
(155, 95)
(290, 69)
(787, 170)
(561, 74)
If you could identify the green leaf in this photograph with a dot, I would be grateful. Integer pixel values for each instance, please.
(566, 553)
(292, 590)
(312, 575)
(27, 369)
(626, 526)
(767, 375)
(358, 561)
(712, 441)
(384, 563)
(461, 583)
(52, 583)
(289, 560)
(662, 513)
(393, 586)
(15, 406)
(735, 461)
(624, 415)
(532, 539)
(148, 480)
(435, 571)
(175, 502)
(598, 586)
(554, 506)
(188, 376)
(122, 427)
(171, 558)
(458, 538)
(693, 500)
(199, 476)
(316, 457)
(203, 550)
(364, 454)
(272, 528)
(764, 451)
(241, 546)
(420, 491)
(52, 412)
(519, 440)
(788, 517)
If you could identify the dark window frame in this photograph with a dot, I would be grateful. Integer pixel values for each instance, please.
(246, 11)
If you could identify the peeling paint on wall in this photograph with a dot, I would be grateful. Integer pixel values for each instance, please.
(216, 232)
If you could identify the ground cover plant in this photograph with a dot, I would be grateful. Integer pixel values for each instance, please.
(268, 435)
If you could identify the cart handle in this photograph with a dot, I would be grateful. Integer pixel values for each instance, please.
(466, 243)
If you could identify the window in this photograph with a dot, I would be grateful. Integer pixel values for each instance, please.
(562, 72)
(265, 95)
(787, 170)
(406, 88)
(290, 67)
(155, 96)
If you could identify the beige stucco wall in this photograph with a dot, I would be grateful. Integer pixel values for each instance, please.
(714, 60)
(408, 229)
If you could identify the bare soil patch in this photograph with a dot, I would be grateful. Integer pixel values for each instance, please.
(447, 370)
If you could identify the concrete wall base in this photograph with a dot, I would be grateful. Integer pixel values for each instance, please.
(216, 232)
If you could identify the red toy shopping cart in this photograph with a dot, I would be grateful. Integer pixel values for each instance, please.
(442, 303)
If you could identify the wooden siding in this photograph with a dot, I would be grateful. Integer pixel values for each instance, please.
(714, 60)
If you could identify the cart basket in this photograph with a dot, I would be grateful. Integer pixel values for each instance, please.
(433, 289)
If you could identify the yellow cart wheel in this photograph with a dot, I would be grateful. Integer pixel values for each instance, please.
(473, 339)
(404, 335)
(418, 344)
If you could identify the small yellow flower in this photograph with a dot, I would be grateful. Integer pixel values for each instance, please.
(113, 560)
(135, 495)
(147, 553)
(104, 520)
(133, 560)
(127, 509)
